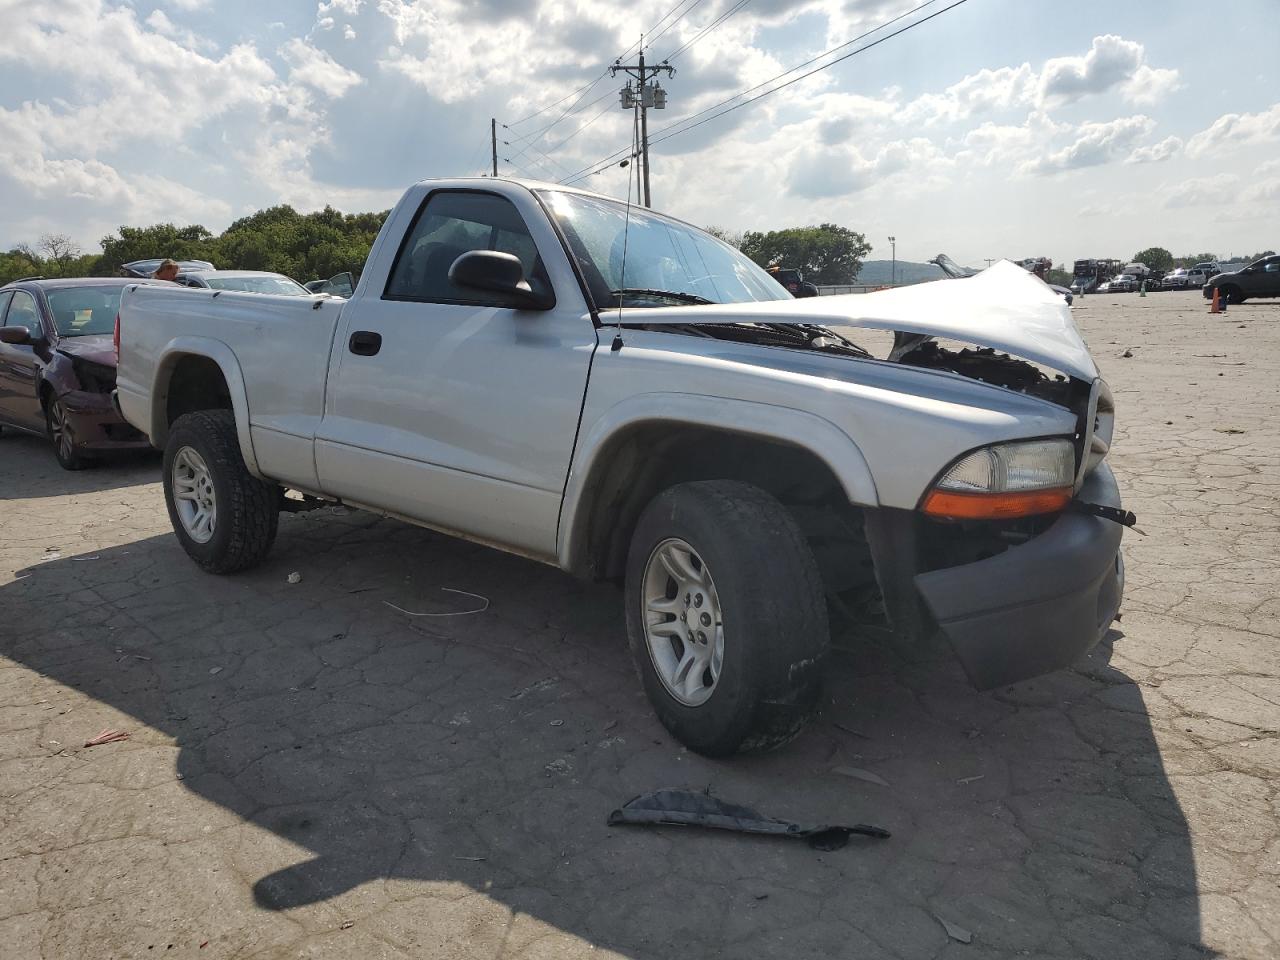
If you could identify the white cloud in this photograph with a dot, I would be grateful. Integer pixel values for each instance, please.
(349, 7)
(1150, 85)
(1095, 143)
(348, 33)
(1111, 61)
(1235, 130)
(1000, 89)
(189, 4)
(1156, 152)
(317, 69)
(1199, 191)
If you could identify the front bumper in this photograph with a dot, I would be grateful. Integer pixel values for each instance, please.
(97, 425)
(1036, 607)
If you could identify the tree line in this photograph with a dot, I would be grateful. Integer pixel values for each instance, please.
(305, 246)
(310, 246)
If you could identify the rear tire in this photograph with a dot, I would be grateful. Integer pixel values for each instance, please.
(224, 517)
(741, 549)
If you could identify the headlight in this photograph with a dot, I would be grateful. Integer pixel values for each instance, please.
(1004, 481)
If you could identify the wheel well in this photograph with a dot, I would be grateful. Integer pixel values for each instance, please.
(652, 457)
(195, 383)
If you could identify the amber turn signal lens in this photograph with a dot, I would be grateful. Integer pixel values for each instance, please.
(995, 506)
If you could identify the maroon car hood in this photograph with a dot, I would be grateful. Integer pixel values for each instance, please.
(96, 348)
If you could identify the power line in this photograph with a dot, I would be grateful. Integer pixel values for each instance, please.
(707, 29)
(686, 124)
(653, 38)
(686, 120)
(582, 91)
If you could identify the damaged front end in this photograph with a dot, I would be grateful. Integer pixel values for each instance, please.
(1013, 552)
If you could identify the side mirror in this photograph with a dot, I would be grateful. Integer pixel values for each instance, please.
(500, 273)
(15, 336)
(341, 285)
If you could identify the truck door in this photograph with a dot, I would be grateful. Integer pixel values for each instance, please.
(444, 403)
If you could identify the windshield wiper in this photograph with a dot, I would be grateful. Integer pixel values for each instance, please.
(676, 295)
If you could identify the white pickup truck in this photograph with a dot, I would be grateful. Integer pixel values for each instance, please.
(618, 393)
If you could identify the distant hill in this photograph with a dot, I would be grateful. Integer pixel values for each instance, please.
(880, 271)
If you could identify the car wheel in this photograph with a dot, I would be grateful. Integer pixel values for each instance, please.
(62, 436)
(1233, 294)
(224, 517)
(726, 617)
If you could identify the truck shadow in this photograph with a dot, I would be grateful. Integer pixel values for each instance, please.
(486, 749)
(35, 472)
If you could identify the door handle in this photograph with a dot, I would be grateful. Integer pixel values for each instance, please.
(365, 343)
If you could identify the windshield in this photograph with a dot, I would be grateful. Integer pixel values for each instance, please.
(81, 311)
(267, 284)
(662, 255)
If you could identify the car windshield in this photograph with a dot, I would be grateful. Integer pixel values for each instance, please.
(668, 263)
(260, 284)
(81, 311)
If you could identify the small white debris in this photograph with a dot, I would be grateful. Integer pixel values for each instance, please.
(557, 723)
(859, 774)
(955, 931)
(215, 671)
(295, 577)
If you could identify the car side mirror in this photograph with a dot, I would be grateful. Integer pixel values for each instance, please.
(502, 273)
(15, 336)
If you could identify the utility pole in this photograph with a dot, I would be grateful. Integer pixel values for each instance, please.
(646, 94)
(893, 270)
(493, 140)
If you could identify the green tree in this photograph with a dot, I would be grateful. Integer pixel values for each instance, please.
(824, 254)
(1192, 259)
(1157, 258)
(159, 240)
(728, 236)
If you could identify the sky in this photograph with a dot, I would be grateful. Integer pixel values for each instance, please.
(1000, 128)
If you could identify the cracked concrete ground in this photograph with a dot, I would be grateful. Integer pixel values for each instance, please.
(311, 773)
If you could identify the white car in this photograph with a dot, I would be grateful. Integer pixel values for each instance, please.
(623, 396)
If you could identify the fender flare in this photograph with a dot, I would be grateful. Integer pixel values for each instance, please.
(225, 358)
(798, 428)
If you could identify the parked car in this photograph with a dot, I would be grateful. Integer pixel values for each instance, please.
(1177, 279)
(58, 366)
(145, 268)
(724, 450)
(246, 281)
(1260, 279)
(1125, 283)
(1199, 275)
(794, 281)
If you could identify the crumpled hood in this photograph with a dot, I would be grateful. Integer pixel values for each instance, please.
(1003, 307)
(96, 348)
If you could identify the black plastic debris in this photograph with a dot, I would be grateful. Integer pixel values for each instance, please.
(685, 808)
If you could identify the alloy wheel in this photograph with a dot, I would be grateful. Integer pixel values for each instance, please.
(684, 629)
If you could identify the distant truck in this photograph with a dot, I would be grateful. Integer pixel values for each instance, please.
(1088, 275)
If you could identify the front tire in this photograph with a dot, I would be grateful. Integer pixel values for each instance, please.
(726, 617)
(1233, 294)
(224, 517)
(62, 436)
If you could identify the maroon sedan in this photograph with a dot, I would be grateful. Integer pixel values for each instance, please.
(58, 366)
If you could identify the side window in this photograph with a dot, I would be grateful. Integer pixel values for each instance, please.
(22, 312)
(4, 302)
(449, 225)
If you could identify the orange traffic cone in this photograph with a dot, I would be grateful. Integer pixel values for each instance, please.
(1213, 307)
